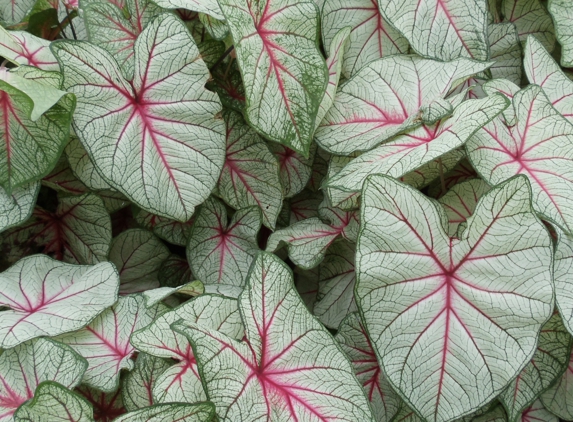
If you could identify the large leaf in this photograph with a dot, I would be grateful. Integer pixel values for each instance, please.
(180, 412)
(539, 146)
(15, 208)
(137, 255)
(562, 15)
(283, 71)
(181, 382)
(357, 346)
(461, 201)
(78, 232)
(46, 297)
(137, 385)
(288, 368)
(26, 49)
(26, 366)
(439, 29)
(466, 317)
(250, 176)
(542, 70)
(547, 365)
(371, 37)
(530, 17)
(54, 403)
(420, 146)
(220, 251)
(388, 96)
(156, 138)
(104, 343)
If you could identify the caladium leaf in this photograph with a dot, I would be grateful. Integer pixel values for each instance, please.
(106, 406)
(26, 366)
(46, 297)
(557, 399)
(104, 343)
(25, 49)
(219, 251)
(388, 96)
(302, 206)
(288, 368)
(137, 255)
(284, 74)
(371, 37)
(542, 70)
(461, 201)
(547, 365)
(15, 208)
(174, 271)
(136, 387)
(306, 284)
(161, 147)
(536, 146)
(79, 232)
(456, 291)
(356, 344)
(421, 145)
(172, 231)
(461, 172)
(181, 382)
(340, 198)
(507, 88)
(335, 297)
(53, 402)
(505, 49)
(441, 30)
(530, 17)
(228, 84)
(12, 12)
(154, 296)
(536, 412)
(294, 169)
(250, 176)
(563, 266)
(210, 7)
(181, 412)
(562, 15)
(83, 167)
(218, 29)
(63, 179)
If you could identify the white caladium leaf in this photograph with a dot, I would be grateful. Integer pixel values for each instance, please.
(505, 50)
(156, 138)
(340, 198)
(250, 176)
(335, 297)
(63, 179)
(530, 17)
(420, 146)
(562, 15)
(181, 382)
(461, 172)
(137, 385)
(154, 296)
(104, 343)
(434, 170)
(181, 412)
(174, 271)
(54, 403)
(15, 208)
(306, 284)
(542, 70)
(536, 146)
(563, 267)
(220, 251)
(294, 169)
(24, 48)
(107, 406)
(218, 29)
(45, 297)
(467, 320)
(356, 344)
(210, 7)
(547, 365)
(558, 399)
(83, 167)
(461, 201)
(226, 290)
(371, 37)
(288, 368)
(303, 205)
(388, 96)
(12, 12)
(284, 74)
(26, 366)
(537, 412)
(507, 88)
(441, 30)
(137, 255)
(79, 232)
(172, 231)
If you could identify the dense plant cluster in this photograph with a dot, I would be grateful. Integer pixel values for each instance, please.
(286, 210)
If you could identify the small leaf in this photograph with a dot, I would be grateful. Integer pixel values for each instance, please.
(104, 343)
(197, 412)
(562, 15)
(172, 231)
(557, 399)
(294, 169)
(154, 296)
(218, 29)
(461, 201)
(210, 7)
(26, 49)
(136, 387)
(47, 297)
(174, 271)
(17, 207)
(530, 17)
(63, 179)
(219, 251)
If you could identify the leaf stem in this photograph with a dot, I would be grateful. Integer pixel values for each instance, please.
(71, 23)
(220, 60)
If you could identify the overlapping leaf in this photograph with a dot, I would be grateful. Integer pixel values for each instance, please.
(13, 11)
(174, 271)
(467, 312)
(294, 169)
(461, 201)
(505, 49)
(562, 15)
(46, 297)
(156, 138)
(558, 398)
(181, 412)
(536, 412)
(82, 166)
(284, 74)
(288, 368)
(107, 406)
(563, 267)
(26, 49)
(15, 208)
(172, 231)
(137, 385)
(388, 96)
(209, 7)
(530, 17)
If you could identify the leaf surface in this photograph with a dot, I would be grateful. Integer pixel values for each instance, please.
(26, 49)
(107, 406)
(530, 17)
(461, 201)
(172, 231)
(181, 412)
(136, 387)
(210, 7)
(294, 169)
(557, 399)
(15, 208)
(562, 15)
(505, 49)
(563, 267)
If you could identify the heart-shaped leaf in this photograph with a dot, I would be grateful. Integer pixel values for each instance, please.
(46, 297)
(137, 385)
(530, 17)
(562, 15)
(104, 343)
(288, 368)
(219, 251)
(467, 318)
(26, 366)
(444, 30)
(461, 201)
(25, 49)
(161, 146)
(388, 96)
(180, 412)
(283, 71)
(15, 208)
(461, 172)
